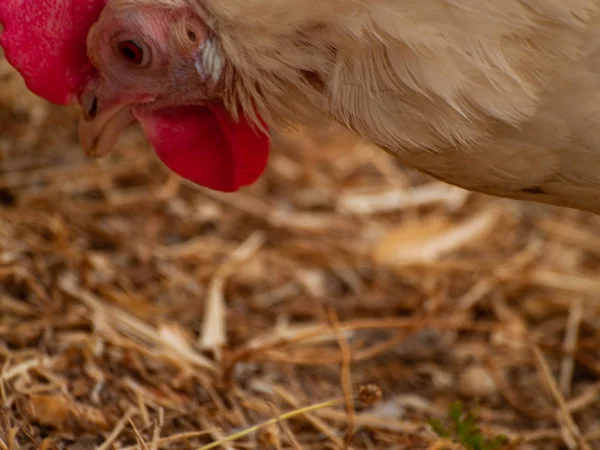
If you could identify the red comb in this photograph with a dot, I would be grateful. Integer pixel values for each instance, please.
(46, 42)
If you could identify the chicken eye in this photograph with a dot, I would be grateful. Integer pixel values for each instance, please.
(131, 52)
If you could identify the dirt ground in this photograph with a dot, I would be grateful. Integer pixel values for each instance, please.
(340, 302)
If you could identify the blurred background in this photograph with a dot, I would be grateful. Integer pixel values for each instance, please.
(139, 311)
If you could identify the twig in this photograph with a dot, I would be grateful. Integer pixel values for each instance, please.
(345, 375)
(558, 397)
(119, 427)
(285, 416)
(213, 335)
(569, 345)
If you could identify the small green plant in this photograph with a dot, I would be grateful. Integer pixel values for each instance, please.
(463, 430)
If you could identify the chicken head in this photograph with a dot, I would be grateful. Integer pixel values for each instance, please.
(126, 60)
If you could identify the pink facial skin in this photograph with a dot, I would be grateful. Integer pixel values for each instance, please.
(194, 135)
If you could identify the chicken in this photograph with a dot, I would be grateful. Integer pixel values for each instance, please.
(495, 96)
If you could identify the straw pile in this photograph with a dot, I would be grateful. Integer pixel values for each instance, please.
(341, 302)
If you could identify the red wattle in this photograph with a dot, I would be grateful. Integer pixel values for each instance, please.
(205, 146)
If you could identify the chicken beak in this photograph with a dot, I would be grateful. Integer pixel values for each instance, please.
(99, 129)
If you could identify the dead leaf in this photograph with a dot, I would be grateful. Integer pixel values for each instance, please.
(60, 412)
(431, 239)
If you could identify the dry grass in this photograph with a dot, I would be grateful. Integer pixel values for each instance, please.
(137, 311)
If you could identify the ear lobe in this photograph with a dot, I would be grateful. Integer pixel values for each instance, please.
(206, 147)
(46, 42)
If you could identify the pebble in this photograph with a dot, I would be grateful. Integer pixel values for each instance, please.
(475, 381)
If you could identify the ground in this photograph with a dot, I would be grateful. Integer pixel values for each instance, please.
(342, 301)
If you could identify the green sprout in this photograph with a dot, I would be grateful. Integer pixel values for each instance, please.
(463, 430)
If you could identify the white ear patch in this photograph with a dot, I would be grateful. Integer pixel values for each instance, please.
(209, 62)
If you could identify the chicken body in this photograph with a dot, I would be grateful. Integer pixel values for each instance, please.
(496, 96)
(500, 96)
